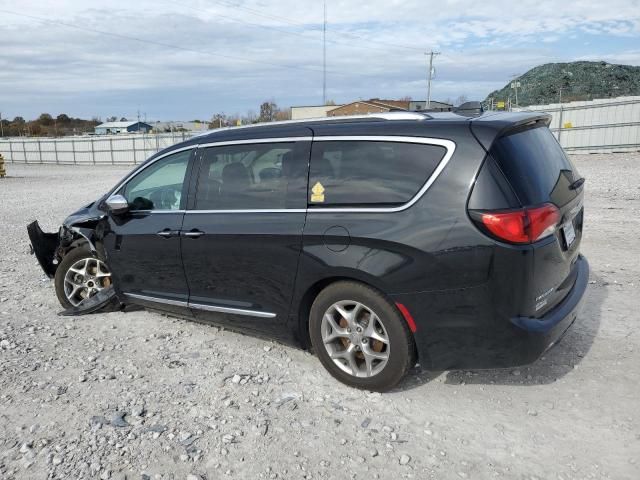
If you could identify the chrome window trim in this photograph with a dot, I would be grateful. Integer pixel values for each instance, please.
(449, 145)
(198, 306)
(253, 141)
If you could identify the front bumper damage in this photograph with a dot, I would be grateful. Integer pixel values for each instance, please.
(50, 248)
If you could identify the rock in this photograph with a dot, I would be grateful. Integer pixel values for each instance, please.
(267, 348)
(57, 460)
(515, 373)
(118, 420)
(404, 459)
(236, 379)
(374, 452)
(191, 476)
(184, 436)
(228, 438)
(365, 423)
(25, 447)
(138, 410)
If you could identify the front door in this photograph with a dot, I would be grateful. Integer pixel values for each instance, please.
(143, 245)
(242, 234)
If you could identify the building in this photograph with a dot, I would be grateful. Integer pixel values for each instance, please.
(420, 105)
(311, 111)
(122, 127)
(364, 107)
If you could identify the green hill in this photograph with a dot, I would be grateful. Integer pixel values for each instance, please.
(577, 80)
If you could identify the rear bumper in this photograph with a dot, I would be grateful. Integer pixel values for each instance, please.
(461, 329)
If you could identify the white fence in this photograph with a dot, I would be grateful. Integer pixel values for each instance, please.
(596, 126)
(97, 150)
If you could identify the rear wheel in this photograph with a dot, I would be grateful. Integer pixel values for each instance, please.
(79, 276)
(360, 337)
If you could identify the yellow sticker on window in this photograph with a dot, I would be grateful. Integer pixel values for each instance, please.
(317, 193)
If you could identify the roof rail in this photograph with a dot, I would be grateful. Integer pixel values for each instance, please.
(402, 115)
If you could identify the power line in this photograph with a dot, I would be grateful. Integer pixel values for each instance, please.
(300, 25)
(297, 25)
(161, 44)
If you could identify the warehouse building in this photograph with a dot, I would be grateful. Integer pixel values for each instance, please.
(109, 128)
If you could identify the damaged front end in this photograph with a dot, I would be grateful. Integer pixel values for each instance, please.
(82, 230)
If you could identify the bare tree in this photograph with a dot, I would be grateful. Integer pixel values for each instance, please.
(268, 111)
(460, 100)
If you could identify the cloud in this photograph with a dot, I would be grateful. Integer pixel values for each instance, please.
(192, 58)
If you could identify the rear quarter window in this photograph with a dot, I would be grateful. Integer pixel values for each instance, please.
(369, 172)
(536, 167)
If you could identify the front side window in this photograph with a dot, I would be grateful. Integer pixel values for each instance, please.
(355, 173)
(255, 176)
(159, 186)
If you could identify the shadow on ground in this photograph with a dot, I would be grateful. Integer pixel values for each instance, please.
(553, 365)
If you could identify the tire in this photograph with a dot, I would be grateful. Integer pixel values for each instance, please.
(70, 259)
(329, 338)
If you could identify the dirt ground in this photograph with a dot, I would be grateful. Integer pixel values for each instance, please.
(144, 396)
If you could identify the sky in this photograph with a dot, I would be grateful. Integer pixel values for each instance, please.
(191, 59)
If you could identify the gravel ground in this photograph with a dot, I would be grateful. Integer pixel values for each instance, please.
(140, 395)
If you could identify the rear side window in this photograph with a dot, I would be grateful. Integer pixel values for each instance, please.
(369, 173)
(536, 166)
(255, 176)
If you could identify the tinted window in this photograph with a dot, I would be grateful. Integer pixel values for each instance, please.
(159, 186)
(368, 172)
(536, 166)
(258, 176)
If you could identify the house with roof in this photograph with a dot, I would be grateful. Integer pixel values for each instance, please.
(108, 128)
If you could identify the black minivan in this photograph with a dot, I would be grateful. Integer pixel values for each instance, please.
(447, 239)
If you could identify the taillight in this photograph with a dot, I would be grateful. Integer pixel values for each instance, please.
(524, 225)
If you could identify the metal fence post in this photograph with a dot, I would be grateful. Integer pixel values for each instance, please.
(93, 152)
(55, 149)
(24, 152)
(73, 150)
(560, 125)
(39, 151)
(111, 149)
(11, 150)
(134, 150)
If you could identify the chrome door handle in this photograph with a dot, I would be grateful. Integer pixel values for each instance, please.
(192, 234)
(166, 233)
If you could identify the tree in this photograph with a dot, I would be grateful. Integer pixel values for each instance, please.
(268, 111)
(112, 119)
(63, 118)
(123, 119)
(45, 119)
(218, 120)
(330, 103)
(460, 100)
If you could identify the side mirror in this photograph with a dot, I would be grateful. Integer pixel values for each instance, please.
(117, 204)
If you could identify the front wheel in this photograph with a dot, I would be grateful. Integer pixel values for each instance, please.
(80, 276)
(360, 337)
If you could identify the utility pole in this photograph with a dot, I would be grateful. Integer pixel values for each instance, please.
(324, 56)
(515, 84)
(431, 55)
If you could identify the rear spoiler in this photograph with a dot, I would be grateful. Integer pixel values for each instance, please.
(491, 126)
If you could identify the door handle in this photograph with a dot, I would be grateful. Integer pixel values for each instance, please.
(167, 233)
(192, 234)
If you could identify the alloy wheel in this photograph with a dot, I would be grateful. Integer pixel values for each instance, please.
(355, 338)
(84, 279)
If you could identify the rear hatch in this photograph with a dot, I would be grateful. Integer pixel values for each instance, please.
(542, 176)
